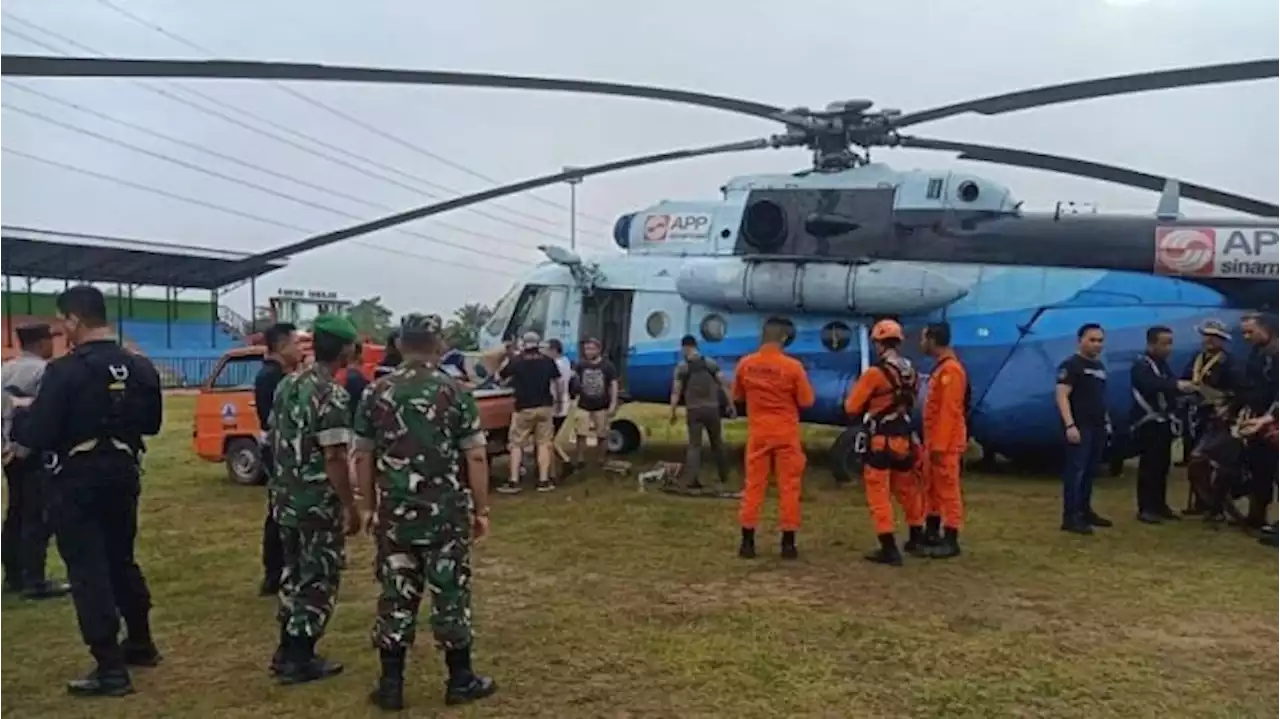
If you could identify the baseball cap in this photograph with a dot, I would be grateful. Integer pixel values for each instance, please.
(530, 340)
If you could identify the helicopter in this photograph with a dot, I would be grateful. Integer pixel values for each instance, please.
(836, 246)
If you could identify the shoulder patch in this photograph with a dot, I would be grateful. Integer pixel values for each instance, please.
(1062, 373)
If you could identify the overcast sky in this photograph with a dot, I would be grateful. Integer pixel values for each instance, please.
(906, 54)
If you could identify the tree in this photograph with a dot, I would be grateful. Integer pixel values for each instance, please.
(371, 318)
(463, 329)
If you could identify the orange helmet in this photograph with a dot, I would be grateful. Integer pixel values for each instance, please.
(886, 330)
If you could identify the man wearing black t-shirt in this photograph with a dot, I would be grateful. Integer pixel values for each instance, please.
(283, 355)
(1082, 404)
(530, 374)
(597, 381)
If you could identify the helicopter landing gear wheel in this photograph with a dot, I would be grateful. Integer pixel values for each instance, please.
(846, 455)
(624, 437)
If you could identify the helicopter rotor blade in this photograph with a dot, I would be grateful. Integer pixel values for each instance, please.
(1102, 87)
(493, 193)
(1094, 170)
(46, 66)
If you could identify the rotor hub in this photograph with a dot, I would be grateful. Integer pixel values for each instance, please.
(837, 133)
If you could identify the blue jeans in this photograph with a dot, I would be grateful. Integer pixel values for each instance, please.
(1077, 475)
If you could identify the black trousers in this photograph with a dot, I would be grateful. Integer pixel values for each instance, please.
(272, 549)
(94, 510)
(26, 530)
(1260, 462)
(1155, 446)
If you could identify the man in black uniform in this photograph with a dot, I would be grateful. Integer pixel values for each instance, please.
(1153, 423)
(94, 407)
(1081, 396)
(1259, 396)
(1210, 369)
(282, 356)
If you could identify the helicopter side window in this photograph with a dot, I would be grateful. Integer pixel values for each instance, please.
(530, 314)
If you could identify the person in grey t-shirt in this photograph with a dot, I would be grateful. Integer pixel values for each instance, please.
(705, 392)
(26, 529)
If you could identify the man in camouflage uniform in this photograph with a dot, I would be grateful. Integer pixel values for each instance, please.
(417, 430)
(312, 498)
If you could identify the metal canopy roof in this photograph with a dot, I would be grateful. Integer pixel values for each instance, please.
(45, 254)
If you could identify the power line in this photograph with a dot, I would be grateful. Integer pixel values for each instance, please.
(230, 210)
(417, 190)
(238, 181)
(230, 158)
(340, 114)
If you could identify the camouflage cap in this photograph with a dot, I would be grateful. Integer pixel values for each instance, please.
(1215, 328)
(420, 324)
(335, 325)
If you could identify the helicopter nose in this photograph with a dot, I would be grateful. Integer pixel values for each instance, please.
(622, 230)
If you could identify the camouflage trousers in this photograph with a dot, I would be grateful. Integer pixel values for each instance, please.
(404, 571)
(313, 562)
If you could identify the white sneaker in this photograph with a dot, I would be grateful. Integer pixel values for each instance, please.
(509, 488)
(547, 486)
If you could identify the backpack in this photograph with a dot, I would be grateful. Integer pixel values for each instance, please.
(903, 381)
(699, 364)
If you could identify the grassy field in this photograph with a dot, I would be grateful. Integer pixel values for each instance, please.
(599, 601)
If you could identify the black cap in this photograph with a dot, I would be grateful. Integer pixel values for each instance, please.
(30, 334)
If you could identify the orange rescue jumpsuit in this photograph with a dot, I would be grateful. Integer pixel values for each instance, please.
(775, 388)
(875, 394)
(945, 439)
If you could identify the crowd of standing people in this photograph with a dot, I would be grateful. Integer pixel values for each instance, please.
(403, 460)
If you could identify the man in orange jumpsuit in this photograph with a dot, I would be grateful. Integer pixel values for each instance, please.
(884, 396)
(946, 436)
(775, 388)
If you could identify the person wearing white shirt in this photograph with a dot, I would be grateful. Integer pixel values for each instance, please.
(555, 350)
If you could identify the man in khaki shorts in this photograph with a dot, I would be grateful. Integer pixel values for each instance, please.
(597, 383)
(531, 375)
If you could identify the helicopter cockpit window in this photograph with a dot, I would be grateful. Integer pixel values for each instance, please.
(530, 313)
(503, 310)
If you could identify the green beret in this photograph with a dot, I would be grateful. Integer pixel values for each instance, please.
(335, 325)
(418, 324)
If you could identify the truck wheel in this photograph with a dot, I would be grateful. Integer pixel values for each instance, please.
(244, 464)
(846, 463)
(624, 437)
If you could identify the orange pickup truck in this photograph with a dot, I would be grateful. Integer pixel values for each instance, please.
(226, 429)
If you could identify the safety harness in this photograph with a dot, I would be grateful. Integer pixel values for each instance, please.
(1162, 413)
(115, 429)
(893, 422)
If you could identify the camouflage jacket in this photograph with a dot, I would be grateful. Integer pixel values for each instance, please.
(310, 412)
(418, 422)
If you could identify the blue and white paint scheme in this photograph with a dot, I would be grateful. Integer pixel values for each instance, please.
(1011, 326)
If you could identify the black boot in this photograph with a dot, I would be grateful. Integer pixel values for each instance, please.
(389, 694)
(932, 530)
(747, 548)
(109, 679)
(465, 685)
(282, 650)
(46, 589)
(138, 647)
(916, 545)
(1093, 519)
(949, 547)
(789, 550)
(301, 665)
(270, 586)
(887, 553)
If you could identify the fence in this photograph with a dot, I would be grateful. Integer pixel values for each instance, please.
(180, 372)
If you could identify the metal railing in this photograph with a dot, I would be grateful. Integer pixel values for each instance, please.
(183, 372)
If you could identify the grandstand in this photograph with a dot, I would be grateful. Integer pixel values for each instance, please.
(184, 337)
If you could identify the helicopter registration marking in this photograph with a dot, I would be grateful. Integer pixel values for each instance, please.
(681, 226)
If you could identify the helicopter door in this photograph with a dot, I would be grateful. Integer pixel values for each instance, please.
(606, 315)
